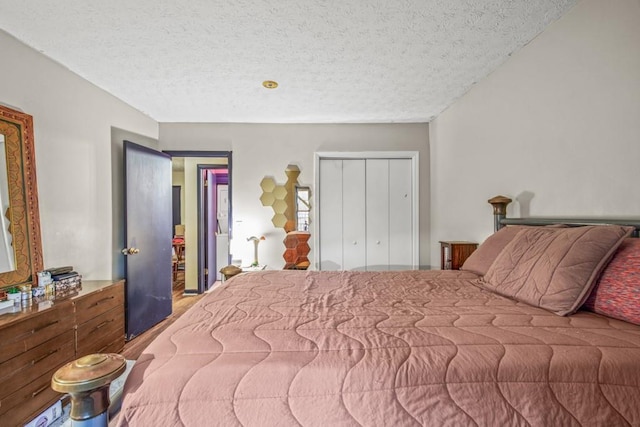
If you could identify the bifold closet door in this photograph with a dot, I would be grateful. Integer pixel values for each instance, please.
(400, 215)
(354, 244)
(389, 214)
(377, 214)
(365, 214)
(342, 215)
(330, 218)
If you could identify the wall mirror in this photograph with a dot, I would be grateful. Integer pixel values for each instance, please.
(291, 203)
(20, 245)
(303, 206)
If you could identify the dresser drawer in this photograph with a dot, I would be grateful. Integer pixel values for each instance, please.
(28, 366)
(22, 336)
(36, 342)
(23, 404)
(103, 332)
(96, 303)
(114, 347)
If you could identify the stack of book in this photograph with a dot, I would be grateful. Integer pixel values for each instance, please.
(65, 279)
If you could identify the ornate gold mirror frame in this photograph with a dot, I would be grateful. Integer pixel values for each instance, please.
(23, 214)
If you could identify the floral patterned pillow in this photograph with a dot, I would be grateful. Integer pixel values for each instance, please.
(617, 293)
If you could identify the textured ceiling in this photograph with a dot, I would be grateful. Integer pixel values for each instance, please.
(336, 61)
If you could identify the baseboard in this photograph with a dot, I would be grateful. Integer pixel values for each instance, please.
(190, 292)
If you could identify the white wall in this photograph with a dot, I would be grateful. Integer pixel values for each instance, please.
(177, 179)
(118, 136)
(74, 124)
(556, 127)
(266, 150)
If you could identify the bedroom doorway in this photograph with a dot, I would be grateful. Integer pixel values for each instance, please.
(201, 239)
(213, 223)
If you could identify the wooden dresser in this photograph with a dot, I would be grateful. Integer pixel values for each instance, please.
(40, 337)
(99, 320)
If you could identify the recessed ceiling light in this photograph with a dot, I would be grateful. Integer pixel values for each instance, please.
(270, 84)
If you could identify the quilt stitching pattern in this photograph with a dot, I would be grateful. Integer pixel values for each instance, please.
(408, 348)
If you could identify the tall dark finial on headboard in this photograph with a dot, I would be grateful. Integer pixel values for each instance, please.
(499, 204)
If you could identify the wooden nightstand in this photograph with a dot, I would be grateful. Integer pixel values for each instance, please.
(454, 253)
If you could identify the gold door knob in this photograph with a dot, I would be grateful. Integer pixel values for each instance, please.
(130, 251)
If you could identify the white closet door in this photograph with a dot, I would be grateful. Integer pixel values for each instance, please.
(353, 215)
(367, 213)
(330, 210)
(377, 191)
(400, 215)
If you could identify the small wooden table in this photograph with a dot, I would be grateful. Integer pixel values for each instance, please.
(229, 271)
(454, 253)
(232, 270)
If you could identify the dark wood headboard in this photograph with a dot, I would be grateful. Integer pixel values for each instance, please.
(500, 203)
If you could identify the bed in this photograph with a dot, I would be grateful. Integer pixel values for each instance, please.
(491, 345)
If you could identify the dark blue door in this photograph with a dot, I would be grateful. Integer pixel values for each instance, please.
(148, 232)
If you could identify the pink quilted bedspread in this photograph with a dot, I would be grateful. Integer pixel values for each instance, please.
(382, 349)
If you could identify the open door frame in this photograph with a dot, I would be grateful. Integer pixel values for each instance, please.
(218, 154)
(204, 230)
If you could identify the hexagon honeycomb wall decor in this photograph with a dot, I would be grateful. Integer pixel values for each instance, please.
(297, 249)
(267, 199)
(281, 198)
(268, 185)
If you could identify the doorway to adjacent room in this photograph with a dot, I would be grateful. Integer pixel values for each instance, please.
(213, 223)
(204, 178)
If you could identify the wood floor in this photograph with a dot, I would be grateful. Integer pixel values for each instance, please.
(181, 303)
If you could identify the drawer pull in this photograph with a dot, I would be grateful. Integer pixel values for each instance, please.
(103, 300)
(105, 323)
(44, 327)
(34, 361)
(40, 390)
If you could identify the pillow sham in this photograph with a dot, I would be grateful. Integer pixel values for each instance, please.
(617, 293)
(554, 268)
(481, 259)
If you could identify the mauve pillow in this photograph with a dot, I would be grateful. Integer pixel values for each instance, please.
(617, 293)
(481, 259)
(554, 268)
